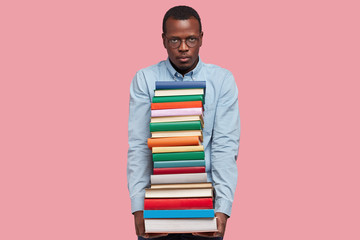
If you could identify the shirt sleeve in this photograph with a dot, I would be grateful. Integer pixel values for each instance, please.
(225, 145)
(139, 163)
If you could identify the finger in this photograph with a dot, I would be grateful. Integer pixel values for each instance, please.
(157, 235)
(204, 234)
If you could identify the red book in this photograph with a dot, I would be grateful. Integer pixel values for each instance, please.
(177, 203)
(174, 105)
(179, 170)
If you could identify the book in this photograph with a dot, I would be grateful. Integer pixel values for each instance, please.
(180, 225)
(185, 133)
(177, 149)
(179, 163)
(179, 85)
(179, 193)
(176, 112)
(176, 170)
(179, 156)
(178, 119)
(179, 92)
(178, 178)
(181, 185)
(183, 213)
(178, 98)
(173, 105)
(177, 203)
(175, 126)
(173, 141)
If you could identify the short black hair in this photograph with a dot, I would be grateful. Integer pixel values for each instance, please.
(180, 13)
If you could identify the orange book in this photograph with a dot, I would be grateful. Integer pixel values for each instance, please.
(173, 141)
(173, 105)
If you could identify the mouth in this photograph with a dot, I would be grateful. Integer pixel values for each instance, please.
(183, 59)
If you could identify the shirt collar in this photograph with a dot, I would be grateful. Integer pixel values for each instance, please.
(192, 73)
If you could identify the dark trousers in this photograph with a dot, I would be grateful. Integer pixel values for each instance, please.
(182, 236)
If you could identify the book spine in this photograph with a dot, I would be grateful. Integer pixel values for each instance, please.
(177, 203)
(178, 178)
(178, 149)
(177, 170)
(179, 85)
(173, 105)
(191, 213)
(180, 225)
(175, 126)
(179, 92)
(178, 98)
(176, 112)
(186, 163)
(179, 156)
(173, 141)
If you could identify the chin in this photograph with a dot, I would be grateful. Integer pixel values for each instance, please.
(184, 66)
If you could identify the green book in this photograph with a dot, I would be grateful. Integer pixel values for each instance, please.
(185, 98)
(178, 156)
(175, 126)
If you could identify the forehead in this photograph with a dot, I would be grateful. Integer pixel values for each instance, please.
(181, 28)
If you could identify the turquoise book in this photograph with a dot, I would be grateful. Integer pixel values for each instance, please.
(178, 156)
(179, 163)
(188, 213)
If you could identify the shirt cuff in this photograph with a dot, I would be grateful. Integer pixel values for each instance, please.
(223, 206)
(137, 204)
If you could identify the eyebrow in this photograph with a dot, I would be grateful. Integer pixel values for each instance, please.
(186, 37)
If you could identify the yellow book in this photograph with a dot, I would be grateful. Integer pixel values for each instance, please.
(178, 149)
(184, 133)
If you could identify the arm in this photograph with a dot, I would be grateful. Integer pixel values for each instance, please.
(224, 151)
(139, 163)
(225, 145)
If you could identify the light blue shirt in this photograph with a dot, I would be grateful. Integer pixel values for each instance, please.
(221, 129)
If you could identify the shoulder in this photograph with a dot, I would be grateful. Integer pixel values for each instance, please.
(151, 71)
(215, 69)
(218, 74)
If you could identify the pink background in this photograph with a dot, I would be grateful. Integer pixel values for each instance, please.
(65, 72)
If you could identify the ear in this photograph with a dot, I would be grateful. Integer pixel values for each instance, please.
(164, 39)
(200, 38)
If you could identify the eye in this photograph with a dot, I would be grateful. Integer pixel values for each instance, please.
(191, 39)
(174, 40)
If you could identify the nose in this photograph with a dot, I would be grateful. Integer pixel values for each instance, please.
(183, 47)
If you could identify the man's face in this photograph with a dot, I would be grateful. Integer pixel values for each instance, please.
(183, 57)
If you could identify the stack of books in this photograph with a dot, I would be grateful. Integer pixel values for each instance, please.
(180, 200)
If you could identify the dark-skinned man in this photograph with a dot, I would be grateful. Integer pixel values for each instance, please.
(182, 37)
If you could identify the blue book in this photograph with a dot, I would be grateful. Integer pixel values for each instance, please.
(188, 213)
(186, 163)
(179, 85)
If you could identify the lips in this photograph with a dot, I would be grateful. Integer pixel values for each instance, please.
(183, 58)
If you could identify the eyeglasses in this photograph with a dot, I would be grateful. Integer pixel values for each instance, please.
(176, 42)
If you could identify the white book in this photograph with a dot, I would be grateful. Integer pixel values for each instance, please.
(185, 225)
(182, 185)
(179, 92)
(178, 178)
(179, 193)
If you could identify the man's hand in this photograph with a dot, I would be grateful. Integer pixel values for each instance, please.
(221, 225)
(140, 227)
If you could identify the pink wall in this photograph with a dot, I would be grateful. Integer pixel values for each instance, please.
(65, 71)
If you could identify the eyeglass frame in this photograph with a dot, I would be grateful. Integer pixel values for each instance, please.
(181, 40)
